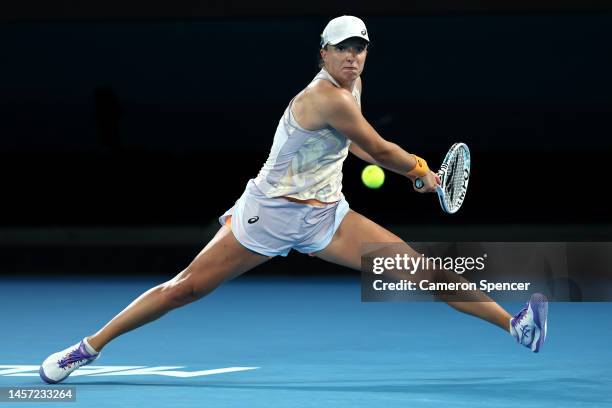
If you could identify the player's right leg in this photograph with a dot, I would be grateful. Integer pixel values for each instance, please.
(222, 259)
(528, 327)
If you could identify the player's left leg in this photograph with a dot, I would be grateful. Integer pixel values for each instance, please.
(356, 230)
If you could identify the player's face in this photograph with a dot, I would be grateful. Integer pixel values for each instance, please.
(345, 60)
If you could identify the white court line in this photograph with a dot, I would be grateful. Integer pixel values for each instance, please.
(98, 371)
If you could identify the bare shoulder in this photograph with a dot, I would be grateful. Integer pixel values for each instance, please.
(331, 100)
(313, 104)
(320, 92)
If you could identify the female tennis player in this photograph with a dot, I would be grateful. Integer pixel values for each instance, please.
(296, 202)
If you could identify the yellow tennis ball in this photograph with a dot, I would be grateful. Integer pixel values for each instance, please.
(373, 176)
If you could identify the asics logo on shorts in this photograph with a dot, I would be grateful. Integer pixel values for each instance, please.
(253, 220)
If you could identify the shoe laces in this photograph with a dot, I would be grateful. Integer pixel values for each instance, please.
(73, 357)
(520, 315)
(519, 324)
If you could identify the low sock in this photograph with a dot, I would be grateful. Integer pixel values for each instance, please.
(88, 347)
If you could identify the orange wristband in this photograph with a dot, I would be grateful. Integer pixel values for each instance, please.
(421, 169)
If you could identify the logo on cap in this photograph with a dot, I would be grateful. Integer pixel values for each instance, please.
(363, 32)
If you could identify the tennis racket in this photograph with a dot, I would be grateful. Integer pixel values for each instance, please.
(454, 176)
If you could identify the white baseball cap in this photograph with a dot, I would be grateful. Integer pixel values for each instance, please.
(341, 28)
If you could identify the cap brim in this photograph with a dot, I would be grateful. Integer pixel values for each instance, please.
(338, 41)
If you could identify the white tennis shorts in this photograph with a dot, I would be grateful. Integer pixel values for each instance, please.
(274, 226)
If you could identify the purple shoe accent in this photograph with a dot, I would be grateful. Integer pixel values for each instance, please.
(539, 305)
(531, 319)
(46, 379)
(517, 317)
(75, 356)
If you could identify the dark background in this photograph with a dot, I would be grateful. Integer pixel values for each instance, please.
(142, 116)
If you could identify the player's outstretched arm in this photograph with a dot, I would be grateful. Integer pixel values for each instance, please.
(362, 154)
(340, 111)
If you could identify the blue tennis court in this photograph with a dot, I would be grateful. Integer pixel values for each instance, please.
(262, 342)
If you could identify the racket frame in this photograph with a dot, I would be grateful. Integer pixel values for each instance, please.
(442, 173)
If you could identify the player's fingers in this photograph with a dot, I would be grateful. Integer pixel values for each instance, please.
(425, 185)
(428, 188)
(420, 186)
(432, 183)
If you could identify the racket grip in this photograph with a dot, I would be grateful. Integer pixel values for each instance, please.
(418, 183)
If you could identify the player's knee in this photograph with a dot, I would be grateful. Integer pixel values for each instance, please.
(172, 294)
(184, 289)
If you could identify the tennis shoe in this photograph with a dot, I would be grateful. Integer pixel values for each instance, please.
(60, 365)
(529, 325)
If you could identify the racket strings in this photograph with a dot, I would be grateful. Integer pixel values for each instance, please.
(454, 182)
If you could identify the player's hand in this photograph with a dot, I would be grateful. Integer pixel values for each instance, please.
(429, 183)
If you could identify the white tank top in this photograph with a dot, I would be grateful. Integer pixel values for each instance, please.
(305, 164)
